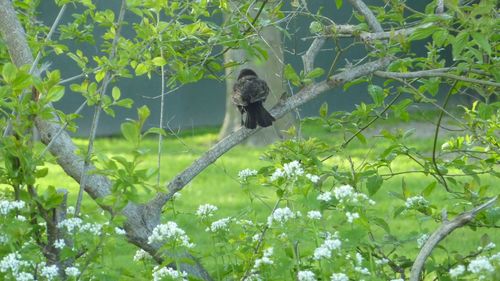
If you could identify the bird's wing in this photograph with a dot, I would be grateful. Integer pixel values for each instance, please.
(249, 89)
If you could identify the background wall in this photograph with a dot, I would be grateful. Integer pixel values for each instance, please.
(203, 104)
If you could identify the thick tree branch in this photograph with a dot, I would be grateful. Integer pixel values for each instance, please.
(371, 20)
(444, 230)
(353, 30)
(434, 73)
(302, 97)
(312, 52)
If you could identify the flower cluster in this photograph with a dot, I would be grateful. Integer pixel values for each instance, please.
(344, 194)
(221, 224)
(457, 271)
(313, 178)
(339, 277)
(306, 275)
(72, 271)
(206, 210)
(160, 273)
(141, 255)
(281, 215)
(59, 244)
(50, 272)
(169, 232)
(325, 250)
(416, 202)
(290, 170)
(480, 264)
(314, 215)
(14, 263)
(266, 259)
(74, 224)
(244, 174)
(6, 206)
(351, 216)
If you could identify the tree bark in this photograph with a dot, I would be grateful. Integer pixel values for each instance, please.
(272, 72)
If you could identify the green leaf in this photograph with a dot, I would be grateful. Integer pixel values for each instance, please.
(428, 190)
(130, 131)
(143, 113)
(317, 72)
(55, 93)
(156, 131)
(373, 184)
(40, 173)
(291, 75)
(482, 42)
(100, 75)
(382, 223)
(323, 110)
(422, 33)
(141, 69)
(315, 27)
(115, 93)
(159, 61)
(377, 94)
(127, 103)
(338, 4)
(9, 72)
(50, 198)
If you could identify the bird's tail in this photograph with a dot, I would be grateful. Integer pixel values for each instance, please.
(257, 114)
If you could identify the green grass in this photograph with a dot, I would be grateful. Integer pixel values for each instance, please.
(218, 185)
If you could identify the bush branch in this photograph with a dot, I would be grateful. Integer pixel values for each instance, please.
(444, 230)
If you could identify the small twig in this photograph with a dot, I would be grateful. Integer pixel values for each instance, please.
(436, 134)
(97, 111)
(162, 106)
(444, 230)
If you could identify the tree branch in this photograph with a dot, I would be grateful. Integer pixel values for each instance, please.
(302, 97)
(434, 73)
(444, 230)
(312, 52)
(371, 20)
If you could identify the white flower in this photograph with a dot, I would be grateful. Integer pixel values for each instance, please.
(343, 192)
(12, 262)
(281, 215)
(50, 272)
(159, 274)
(266, 258)
(313, 178)
(278, 173)
(480, 264)
(120, 231)
(293, 169)
(416, 201)
(141, 255)
(256, 237)
(176, 196)
(381, 261)
(169, 232)
(325, 249)
(70, 224)
(72, 271)
(325, 196)
(306, 275)
(339, 277)
(359, 258)
(20, 218)
(351, 216)
(314, 215)
(490, 246)
(399, 279)
(495, 257)
(59, 244)
(244, 174)
(206, 210)
(6, 206)
(456, 271)
(24, 276)
(422, 239)
(362, 270)
(70, 210)
(3, 239)
(221, 224)
(253, 277)
(93, 228)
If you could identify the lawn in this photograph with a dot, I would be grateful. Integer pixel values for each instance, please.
(218, 185)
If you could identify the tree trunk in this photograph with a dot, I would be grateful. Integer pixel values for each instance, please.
(272, 72)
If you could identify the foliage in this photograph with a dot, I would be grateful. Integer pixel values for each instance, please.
(324, 223)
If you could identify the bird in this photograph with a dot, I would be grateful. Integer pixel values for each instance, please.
(249, 94)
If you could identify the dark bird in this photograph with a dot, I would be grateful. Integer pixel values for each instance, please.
(249, 92)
